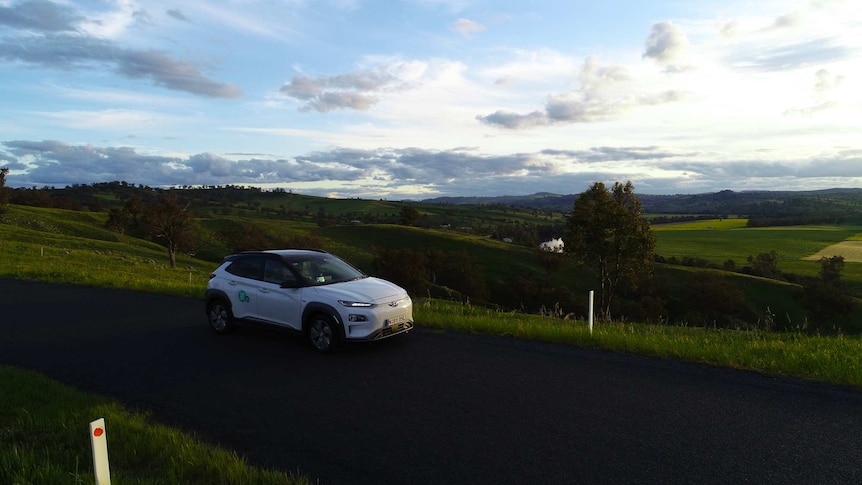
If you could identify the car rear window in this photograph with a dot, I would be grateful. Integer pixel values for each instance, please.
(247, 268)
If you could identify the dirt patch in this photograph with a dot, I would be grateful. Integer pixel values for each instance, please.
(851, 250)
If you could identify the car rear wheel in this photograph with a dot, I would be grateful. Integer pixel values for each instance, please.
(220, 317)
(323, 333)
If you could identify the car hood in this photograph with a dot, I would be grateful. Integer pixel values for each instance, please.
(368, 290)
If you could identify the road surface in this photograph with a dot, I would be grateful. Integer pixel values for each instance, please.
(433, 407)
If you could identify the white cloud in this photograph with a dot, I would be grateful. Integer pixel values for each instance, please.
(466, 27)
(605, 93)
(667, 43)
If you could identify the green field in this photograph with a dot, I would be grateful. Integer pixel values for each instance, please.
(720, 240)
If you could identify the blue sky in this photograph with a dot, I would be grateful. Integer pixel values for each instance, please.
(412, 99)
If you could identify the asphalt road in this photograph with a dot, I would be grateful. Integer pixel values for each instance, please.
(433, 407)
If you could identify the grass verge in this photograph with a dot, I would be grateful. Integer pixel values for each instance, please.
(828, 359)
(44, 439)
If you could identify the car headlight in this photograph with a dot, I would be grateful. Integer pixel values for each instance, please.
(355, 304)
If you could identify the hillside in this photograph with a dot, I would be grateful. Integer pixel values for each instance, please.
(843, 204)
(486, 254)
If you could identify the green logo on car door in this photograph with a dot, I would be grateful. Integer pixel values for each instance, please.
(243, 297)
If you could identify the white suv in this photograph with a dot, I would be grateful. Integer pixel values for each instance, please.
(308, 291)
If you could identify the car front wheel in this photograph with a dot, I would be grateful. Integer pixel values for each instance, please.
(323, 333)
(220, 317)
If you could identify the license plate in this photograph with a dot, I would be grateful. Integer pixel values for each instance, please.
(394, 321)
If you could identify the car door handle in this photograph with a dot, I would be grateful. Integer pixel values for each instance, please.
(263, 290)
(232, 282)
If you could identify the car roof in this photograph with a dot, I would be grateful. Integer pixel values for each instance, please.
(282, 253)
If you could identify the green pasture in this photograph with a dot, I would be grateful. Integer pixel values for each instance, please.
(720, 240)
(708, 224)
(35, 245)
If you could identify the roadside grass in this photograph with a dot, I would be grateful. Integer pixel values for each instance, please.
(828, 359)
(44, 439)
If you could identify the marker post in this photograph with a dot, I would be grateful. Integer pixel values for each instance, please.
(99, 442)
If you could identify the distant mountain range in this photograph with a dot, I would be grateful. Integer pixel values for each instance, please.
(723, 202)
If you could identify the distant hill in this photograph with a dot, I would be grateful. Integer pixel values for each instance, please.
(725, 202)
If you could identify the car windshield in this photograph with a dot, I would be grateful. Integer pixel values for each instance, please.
(323, 269)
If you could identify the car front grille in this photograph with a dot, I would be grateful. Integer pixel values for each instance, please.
(394, 329)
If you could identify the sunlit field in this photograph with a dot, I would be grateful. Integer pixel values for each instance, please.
(850, 250)
(720, 240)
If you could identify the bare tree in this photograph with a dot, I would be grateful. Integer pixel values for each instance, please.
(170, 221)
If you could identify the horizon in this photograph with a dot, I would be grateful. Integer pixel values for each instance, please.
(500, 196)
(420, 99)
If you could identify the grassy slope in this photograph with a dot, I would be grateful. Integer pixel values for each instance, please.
(44, 439)
(69, 246)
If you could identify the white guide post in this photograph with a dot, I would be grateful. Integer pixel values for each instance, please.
(590, 318)
(99, 441)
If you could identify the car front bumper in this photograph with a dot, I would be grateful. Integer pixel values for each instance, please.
(361, 333)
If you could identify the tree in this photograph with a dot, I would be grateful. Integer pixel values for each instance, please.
(127, 218)
(409, 216)
(171, 222)
(4, 192)
(607, 233)
(243, 236)
(831, 268)
(406, 267)
(765, 265)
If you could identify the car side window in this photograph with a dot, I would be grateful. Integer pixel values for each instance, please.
(247, 268)
(277, 272)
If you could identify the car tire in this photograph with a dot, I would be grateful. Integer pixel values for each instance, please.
(220, 317)
(323, 333)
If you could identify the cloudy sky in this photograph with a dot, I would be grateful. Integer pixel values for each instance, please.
(415, 99)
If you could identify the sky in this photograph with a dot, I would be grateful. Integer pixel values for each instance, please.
(415, 99)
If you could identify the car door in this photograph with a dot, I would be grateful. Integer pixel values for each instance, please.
(282, 306)
(244, 277)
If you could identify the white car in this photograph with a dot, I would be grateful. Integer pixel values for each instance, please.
(309, 291)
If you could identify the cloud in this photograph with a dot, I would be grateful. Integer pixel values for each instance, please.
(824, 85)
(611, 154)
(791, 19)
(606, 92)
(386, 165)
(40, 16)
(172, 74)
(177, 14)
(755, 57)
(78, 52)
(466, 27)
(57, 163)
(357, 90)
(61, 45)
(666, 43)
(826, 81)
(458, 171)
